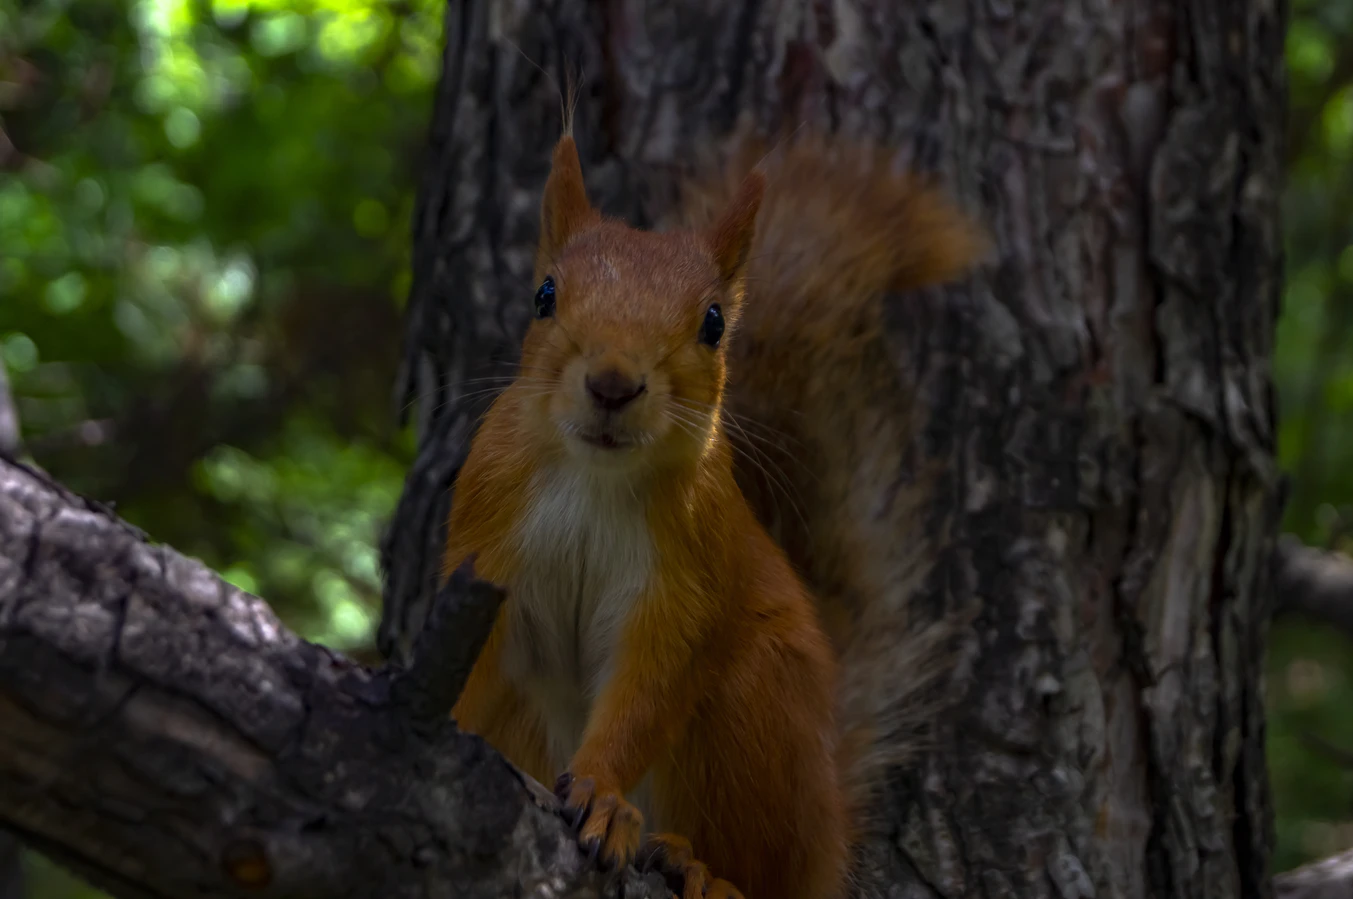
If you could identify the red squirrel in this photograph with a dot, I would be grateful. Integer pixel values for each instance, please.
(657, 645)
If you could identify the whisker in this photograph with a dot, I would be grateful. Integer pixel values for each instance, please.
(465, 398)
(691, 429)
(743, 420)
(502, 380)
(777, 479)
(478, 419)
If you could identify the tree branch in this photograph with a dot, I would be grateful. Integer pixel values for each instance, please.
(9, 418)
(448, 646)
(1319, 583)
(1330, 878)
(1315, 582)
(164, 736)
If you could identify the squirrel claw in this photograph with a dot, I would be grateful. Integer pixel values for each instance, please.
(574, 808)
(722, 889)
(608, 827)
(648, 859)
(593, 849)
(673, 856)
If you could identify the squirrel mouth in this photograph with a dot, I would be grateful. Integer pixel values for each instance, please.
(605, 441)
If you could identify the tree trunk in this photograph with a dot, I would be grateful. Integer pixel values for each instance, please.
(1100, 392)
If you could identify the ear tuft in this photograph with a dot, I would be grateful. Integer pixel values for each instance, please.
(730, 238)
(565, 209)
(568, 100)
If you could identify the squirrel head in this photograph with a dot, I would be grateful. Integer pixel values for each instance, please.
(624, 362)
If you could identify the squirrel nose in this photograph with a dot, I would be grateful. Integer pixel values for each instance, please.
(611, 390)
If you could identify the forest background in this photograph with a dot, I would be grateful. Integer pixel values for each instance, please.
(204, 256)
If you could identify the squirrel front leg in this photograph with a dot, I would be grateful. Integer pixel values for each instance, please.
(645, 704)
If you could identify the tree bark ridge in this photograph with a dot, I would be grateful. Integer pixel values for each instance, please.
(162, 734)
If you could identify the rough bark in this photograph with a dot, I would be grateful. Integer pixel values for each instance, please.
(163, 735)
(1331, 878)
(1100, 393)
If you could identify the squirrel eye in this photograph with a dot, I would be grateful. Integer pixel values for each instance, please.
(545, 299)
(711, 329)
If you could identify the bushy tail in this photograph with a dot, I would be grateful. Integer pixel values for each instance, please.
(839, 226)
(822, 408)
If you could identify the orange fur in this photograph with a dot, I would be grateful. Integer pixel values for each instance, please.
(656, 642)
(822, 416)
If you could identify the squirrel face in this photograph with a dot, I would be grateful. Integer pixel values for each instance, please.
(624, 363)
(627, 346)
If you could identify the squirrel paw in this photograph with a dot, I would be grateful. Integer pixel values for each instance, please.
(609, 827)
(672, 856)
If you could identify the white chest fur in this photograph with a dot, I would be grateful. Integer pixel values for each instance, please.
(587, 557)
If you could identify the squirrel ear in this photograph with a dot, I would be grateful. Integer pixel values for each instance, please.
(565, 208)
(731, 236)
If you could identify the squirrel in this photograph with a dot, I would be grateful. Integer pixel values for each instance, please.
(658, 644)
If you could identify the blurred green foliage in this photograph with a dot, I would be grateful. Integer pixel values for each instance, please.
(204, 245)
(204, 219)
(1310, 670)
